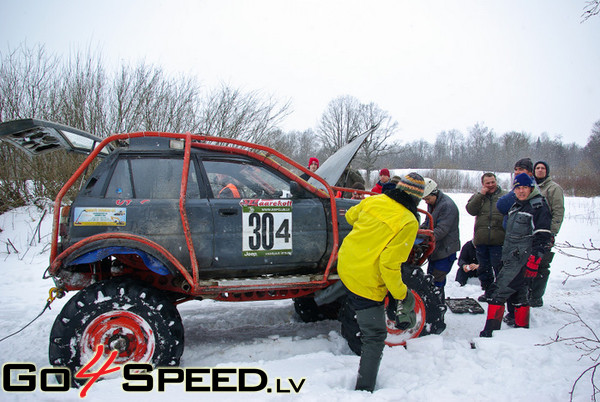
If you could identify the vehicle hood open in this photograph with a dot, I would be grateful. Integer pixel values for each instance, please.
(332, 169)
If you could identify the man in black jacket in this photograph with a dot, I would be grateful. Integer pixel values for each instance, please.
(527, 240)
(467, 263)
(488, 233)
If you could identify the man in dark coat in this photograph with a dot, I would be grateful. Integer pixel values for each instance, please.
(350, 178)
(527, 240)
(488, 233)
(445, 229)
(523, 165)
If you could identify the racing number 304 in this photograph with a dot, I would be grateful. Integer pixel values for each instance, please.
(267, 228)
(264, 233)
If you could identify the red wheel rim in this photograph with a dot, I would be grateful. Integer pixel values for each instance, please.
(119, 330)
(397, 336)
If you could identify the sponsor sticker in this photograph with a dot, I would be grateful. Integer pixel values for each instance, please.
(100, 216)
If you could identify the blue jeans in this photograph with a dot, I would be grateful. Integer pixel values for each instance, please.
(440, 268)
(490, 263)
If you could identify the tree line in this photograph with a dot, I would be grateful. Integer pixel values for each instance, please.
(81, 92)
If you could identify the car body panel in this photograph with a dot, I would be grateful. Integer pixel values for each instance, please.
(36, 137)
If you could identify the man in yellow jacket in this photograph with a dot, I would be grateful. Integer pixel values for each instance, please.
(369, 264)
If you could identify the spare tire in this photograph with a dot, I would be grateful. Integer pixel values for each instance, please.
(429, 307)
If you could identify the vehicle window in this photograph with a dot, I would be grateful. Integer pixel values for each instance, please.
(150, 178)
(243, 180)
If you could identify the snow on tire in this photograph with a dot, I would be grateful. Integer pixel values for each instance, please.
(121, 314)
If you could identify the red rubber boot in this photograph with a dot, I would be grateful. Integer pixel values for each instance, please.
(522, 316)
(494, 320)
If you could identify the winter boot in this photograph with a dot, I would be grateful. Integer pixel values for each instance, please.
(494, 320)
(537, 290)
(522, 316)
(509, 318)
(488, 289)
(371, 322)
(442, 294)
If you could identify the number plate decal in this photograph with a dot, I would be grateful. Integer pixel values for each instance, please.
(266, 227)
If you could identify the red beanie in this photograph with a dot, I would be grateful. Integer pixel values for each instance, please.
(311, 160)
(384, 172)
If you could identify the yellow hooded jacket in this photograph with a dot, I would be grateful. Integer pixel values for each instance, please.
(381, 239)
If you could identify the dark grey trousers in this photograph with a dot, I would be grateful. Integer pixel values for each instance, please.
(373, 333)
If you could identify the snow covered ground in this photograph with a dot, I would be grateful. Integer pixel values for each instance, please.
(516, 364)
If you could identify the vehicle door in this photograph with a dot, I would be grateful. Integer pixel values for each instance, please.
(258, 225)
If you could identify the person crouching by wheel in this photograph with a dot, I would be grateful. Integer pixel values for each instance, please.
(528, 238)
(369, 264)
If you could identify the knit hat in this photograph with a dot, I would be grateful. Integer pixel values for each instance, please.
(523, 179)
(413, 185)
(395, 179)
(311, 160)
(525, 163)
(384, 172)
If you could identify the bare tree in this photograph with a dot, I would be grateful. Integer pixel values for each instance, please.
(482, 141)
(593, 147)
(83, 93)
(515, 145)
(28, 79)
(345, 117)
(230, 113)
(340, 123)
(588, 254)
(592, 7)
(29, 87)
(377, 144)
(144, 99)
(587, 343)
(448, 149)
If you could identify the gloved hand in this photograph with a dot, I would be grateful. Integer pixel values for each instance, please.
(531, 269)
(406, 317)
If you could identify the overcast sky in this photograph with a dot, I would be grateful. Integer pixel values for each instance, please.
(434, 65)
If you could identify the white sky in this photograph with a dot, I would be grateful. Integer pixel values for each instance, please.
(434, 65)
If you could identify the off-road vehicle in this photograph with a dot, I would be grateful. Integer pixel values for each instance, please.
(166, 218)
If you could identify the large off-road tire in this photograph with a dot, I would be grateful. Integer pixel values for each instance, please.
(429, 308)
(121, 314)
(431, 297)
